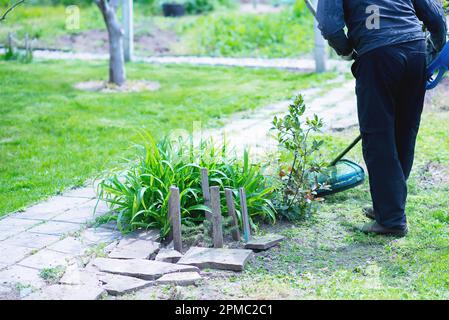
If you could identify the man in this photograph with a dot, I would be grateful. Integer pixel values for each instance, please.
(386, 39)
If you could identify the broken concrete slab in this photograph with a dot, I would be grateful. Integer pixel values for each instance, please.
(32, 240)
(66, 292)
(151, 234)
(139, 268)
(116, 284)
(168, 255)
(263, 242)
(12, 254)
(46, 259)
(137, 249)
(180, 278)
(55, 228)
(75, 275)
(217, 258)
(99, 235)
(7, 293)
(70, 245)
(21, 275)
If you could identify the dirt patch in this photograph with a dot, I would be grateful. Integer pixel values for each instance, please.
(156, 42)
(148, 42)
(129, 86)
(93, 41)
(434, 174)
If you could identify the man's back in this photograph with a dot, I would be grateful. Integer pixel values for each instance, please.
(376, 23)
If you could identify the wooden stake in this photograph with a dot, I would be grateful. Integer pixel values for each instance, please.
(217, 229)
(231, 212)
(206, 193)
(174, 210)
(245, 217)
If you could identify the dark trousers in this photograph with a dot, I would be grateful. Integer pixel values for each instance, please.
(390, 87)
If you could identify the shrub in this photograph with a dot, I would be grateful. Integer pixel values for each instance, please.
(294, 134)
(266, 35)
(139, 196)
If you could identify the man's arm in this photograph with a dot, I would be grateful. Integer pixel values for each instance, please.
(330, 16)
(432, 14)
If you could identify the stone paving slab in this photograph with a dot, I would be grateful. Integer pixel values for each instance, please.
(55, 228)
(66, 292)
(99, 235)
(139, 268)
(10, 225)
(12, 254)
(137, 249)
(50, 208)
(168, 255)
(8, 233)
(74, 275)
(21, 275)
(70, 245)
(224, 259)
(6, 293)
(32, 240)
(264, 242)
(149, 235)
(46, 258)
(116, 284)
(180, 278)
(86, 192)
(81, 214)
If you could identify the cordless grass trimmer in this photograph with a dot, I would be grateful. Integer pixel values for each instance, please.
(343, 174)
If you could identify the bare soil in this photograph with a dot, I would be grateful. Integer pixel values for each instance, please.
(149, 42)
(129, 86)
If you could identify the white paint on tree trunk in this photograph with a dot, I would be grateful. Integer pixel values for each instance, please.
(320, 47)
(128, 27)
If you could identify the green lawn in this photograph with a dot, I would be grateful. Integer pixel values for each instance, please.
(53, 136)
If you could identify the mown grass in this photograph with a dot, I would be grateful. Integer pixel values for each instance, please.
(54, 136)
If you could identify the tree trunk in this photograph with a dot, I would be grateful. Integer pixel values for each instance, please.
(117, 74)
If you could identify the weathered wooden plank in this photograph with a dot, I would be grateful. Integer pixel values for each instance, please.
(245, 217)
(206, 192)
(174, 210)
(235, 232)
(217, 229)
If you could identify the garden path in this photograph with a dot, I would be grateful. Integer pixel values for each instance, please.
(60, 231)
(301, 64)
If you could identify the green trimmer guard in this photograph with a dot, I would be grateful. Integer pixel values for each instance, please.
(341, 175)
(344, 175)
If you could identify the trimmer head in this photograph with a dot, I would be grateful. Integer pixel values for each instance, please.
(344, 175)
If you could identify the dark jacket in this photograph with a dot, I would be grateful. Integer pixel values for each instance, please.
(398, 21)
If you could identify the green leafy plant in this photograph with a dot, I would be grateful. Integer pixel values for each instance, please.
(242, 34)
(52, 275)
(294, 135)
(139, 195)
